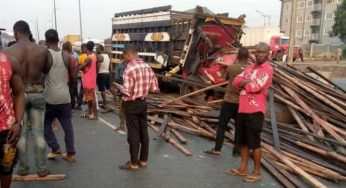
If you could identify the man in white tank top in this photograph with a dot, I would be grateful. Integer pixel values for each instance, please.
(58, 99)
(103, 76)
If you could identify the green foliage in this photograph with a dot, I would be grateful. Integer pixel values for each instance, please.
(339, 27)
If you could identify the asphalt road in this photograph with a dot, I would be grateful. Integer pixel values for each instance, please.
(100, 151)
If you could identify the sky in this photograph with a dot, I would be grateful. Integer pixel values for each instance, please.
(97, 14)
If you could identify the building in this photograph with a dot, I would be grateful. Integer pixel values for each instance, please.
(315, 19)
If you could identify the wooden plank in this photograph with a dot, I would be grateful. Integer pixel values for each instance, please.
(313, 181)
(193, 93)
(327, 126)
(283, 180)
(35, 177)
(172, 142)
(180, 137)
(273, 121)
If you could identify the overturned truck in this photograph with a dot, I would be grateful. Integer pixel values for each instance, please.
(192, 48)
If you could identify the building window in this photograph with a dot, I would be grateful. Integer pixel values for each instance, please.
(307, 32)
(299, 19)
(331, 1)
(339, 1)
(287, 6)
(309, 4)
(299, 33)
(301, 4)
(308, 18)
(329, 15)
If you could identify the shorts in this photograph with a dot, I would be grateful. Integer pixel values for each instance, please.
(3, 171)
(250, 128)
(89, 94)
(103, 81)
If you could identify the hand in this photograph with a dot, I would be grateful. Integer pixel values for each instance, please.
(243, 83)
(14, 134)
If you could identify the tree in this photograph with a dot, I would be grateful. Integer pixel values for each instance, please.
(339, 27)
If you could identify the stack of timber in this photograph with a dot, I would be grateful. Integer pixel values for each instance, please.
(310, 150)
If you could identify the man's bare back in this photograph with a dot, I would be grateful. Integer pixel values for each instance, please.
(35, 61)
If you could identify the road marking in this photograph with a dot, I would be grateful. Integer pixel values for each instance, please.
(110, 125)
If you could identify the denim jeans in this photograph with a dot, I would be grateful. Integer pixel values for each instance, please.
(64, 114)
(33, 117)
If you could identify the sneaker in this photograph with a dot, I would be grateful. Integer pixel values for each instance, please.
(69, 157)
(53, 155)
(43, 173)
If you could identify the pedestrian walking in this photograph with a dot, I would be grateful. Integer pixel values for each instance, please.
(58, 99)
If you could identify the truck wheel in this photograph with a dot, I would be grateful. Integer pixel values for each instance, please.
(187, 88)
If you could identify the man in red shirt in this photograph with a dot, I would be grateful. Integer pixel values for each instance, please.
(253, 83)
(11, 112)
(139, 80)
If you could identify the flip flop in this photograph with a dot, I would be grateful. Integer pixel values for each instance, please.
(252, 178)
(235, 172)
(212, 152)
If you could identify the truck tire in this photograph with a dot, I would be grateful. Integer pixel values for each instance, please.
(187, 88)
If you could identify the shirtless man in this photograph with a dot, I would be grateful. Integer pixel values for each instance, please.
(35, 61)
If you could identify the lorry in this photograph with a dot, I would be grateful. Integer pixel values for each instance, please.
(71, 38)
(190, 48)
(271, 35)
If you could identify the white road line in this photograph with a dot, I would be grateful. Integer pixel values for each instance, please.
(110, 125)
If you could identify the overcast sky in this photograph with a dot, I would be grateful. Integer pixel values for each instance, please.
(97, 14)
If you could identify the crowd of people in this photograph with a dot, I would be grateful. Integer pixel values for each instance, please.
(40, 83)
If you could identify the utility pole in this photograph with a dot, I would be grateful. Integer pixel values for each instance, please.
(38, 32)
(80, 23)
(56, 27)
(264, 17)
(292, 31)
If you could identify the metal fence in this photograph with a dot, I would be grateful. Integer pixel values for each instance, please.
(322, 51)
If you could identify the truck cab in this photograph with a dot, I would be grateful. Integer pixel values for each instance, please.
(279, 48)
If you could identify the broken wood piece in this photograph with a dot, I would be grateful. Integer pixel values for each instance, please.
(172, 142)
(313, 181)
(194, 93)
(35, 177)
(180, 137)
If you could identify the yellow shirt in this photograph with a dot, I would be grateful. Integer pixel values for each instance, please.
(82, 58)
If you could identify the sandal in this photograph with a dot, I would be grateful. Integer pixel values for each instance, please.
(235, 172)
(252, 178)
(212, 152)
(127, 166)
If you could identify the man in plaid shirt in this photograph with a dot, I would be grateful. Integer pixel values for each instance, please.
(139, 80)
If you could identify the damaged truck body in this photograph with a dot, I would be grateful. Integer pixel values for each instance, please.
(192, 48)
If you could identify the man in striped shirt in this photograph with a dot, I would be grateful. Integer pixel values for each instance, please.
(139, 80)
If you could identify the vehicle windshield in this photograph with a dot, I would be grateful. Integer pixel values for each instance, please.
(284, 41)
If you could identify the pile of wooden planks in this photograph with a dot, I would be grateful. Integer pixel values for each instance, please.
(312, 147)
